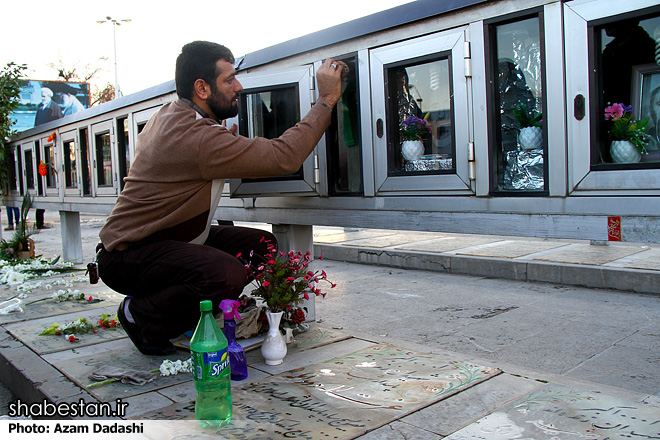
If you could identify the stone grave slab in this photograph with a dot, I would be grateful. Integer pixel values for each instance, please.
(447, 244)
(558, 412)
(314, 337)
(40, 305)
(590, 254)
(296, 360)
(28, 332)
(391, 240)
(341, 398)
(78, 369)
(512, 249)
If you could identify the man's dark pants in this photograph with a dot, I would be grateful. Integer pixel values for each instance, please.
(168, 279)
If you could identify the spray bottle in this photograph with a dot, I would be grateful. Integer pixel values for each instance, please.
(237, 361)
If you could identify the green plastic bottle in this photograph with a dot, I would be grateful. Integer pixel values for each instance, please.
(208, 349)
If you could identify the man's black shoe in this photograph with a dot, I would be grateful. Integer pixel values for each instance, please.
(146, 347)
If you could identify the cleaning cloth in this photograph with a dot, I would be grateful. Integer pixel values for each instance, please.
(125, 375)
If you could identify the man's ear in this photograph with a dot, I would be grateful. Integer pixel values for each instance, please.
(201, 89)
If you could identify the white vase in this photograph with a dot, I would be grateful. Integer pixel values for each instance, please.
(530, 138)
(624, 152)
(412, 150)
(273, 348)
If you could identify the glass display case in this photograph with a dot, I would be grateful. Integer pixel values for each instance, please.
(627, 91)
(518, 137)
(420, 114)
(70, 164)
(612, 76)
(104, 159)
(270, 104)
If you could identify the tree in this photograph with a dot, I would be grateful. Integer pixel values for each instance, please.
(72, 74)
(98, 95)
(10, 87)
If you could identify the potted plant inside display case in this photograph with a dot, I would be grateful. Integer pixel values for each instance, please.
(413, 130)
(628, 136)
(530, 136)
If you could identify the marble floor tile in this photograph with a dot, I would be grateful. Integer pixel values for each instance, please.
(512, 249)
(29, 332)
(391, 240)
(447, 244)
(590, 254)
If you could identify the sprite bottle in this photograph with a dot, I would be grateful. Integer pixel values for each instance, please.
(208, 349)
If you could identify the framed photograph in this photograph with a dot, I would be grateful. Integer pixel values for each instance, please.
(646, 100)
(646, 88)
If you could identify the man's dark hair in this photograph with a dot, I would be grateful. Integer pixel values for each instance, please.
(198, 60)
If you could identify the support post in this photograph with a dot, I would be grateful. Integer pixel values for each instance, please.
(71, 237)
(297, 237)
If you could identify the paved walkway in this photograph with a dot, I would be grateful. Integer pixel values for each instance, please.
(440, 335)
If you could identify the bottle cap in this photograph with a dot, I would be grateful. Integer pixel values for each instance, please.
(205, 306)
(230, 308)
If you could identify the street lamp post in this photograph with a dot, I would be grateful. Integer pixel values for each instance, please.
(114, 23)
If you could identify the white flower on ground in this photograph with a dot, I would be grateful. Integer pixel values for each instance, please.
(12, 278)
(169, 368)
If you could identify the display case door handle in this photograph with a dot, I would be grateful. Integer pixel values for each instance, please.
(578, 107)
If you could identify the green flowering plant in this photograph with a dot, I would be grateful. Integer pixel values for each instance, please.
(20, 241)
(624, 128)
(284, 280)
(414, 128)
(527, 117)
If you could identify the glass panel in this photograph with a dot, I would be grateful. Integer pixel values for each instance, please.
(420, 104)
(70, 166)
(86, 165)
(272, 112)
(629, 92)
(269, 114)
(103, 160)
(122, 147)
(520, 149)
(13, 181)
(344, 154)
(49, 152)
(29, 172)
(19, 169)
(40, 184)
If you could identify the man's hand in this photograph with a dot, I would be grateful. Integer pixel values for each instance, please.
(328, 80)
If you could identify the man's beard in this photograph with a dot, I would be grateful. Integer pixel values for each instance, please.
(221, 108)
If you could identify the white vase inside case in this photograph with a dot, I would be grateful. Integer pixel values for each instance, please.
(412, 150)
(624, 152)
(530, 138)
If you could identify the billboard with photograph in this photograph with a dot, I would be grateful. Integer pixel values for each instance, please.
(44, 101)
